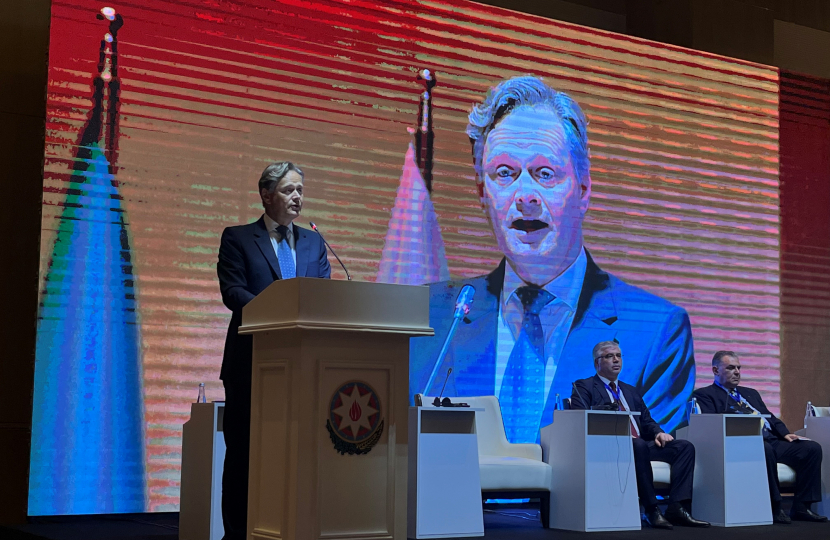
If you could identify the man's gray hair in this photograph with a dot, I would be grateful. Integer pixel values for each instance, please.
(532, 92)
(716, 360)
(603, 345)
(275, 172)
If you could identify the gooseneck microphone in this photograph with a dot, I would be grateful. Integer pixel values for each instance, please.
(437, 401)
(462, 307)
(314, 228)
(576, 391)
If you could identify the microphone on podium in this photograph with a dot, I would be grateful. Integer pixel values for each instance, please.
(314, 228)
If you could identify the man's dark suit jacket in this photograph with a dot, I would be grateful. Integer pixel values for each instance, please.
(591, 392)
(714, 400)
(247, 265)
(654, 334)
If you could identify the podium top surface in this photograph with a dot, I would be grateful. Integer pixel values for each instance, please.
(326, 304)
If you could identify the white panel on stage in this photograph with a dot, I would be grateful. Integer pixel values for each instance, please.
(594, 487)
(730, 488)
(444, 479)
(203, 460)
(818, 429)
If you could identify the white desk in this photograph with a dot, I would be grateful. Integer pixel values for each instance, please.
(731, 488)
(444, 485)
(203, 460)
(594, 487)
(818, 429)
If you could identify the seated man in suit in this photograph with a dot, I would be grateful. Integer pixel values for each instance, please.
(780, 446)
(251, 257)
(547, 301)
(650, 442)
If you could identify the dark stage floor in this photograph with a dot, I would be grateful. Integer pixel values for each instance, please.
(499, 525)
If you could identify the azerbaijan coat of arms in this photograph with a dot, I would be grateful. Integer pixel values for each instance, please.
(355, 421)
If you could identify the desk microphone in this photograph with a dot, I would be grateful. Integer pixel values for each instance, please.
(438, 402)
(314, 228)
(576, 391)
(607, 407)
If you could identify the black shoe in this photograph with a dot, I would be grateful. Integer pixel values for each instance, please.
(807, 515)
(654, 519)
(780, 517)
(677, 515)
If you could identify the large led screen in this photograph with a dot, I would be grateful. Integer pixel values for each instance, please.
(650, 216)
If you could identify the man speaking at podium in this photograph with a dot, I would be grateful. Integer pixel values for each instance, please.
(650, 442)
(251, 257)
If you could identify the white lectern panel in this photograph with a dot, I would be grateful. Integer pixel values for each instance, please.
(730, 488)
(818, 429)
(444, 477)
(594, 485)
(203, 460)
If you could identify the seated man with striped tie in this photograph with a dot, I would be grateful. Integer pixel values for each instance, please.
(803, 455)
(650, 442)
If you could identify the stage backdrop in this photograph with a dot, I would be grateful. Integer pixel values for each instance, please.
(162, 114)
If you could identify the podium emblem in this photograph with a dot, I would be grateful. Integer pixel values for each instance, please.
(355, 421)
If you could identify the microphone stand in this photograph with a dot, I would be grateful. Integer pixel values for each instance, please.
(576, 391)
(314, 228)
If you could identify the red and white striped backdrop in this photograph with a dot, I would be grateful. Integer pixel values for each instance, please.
(684, 150)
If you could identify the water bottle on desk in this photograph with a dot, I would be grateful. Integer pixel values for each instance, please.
(694, 408)
(202, 398)
(557, 404)
(810, 412)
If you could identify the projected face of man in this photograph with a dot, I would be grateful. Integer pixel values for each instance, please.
(284, 202)
(531, 193)
(728, 372)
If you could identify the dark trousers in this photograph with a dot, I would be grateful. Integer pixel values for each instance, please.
(680, 455)
(805, 458)
(237, 432)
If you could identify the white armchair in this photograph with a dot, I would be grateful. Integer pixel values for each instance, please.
(786, 476)
(508, 470)
(662, 475)
(821, 411)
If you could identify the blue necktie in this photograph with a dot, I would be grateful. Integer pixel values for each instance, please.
(284, 256)
(523, 387)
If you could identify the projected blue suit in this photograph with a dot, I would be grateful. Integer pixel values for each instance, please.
(655, 334)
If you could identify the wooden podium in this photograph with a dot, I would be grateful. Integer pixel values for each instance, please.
(329, 407)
